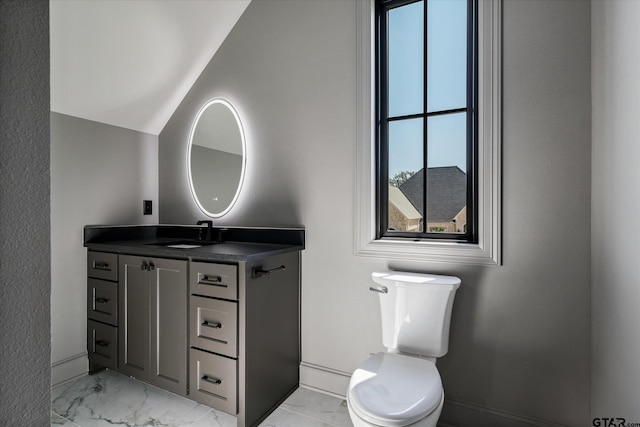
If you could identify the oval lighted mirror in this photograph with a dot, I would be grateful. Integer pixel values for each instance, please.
(216, 158)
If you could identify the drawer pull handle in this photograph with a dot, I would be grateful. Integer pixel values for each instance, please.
(102, 300)
(258, 271)
(210, 380)
(101, 265)
(212, 324)
(211, 280)
(102, 343)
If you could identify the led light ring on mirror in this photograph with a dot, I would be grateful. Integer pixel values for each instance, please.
(192, 133)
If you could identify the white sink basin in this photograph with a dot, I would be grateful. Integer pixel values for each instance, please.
(183, 246)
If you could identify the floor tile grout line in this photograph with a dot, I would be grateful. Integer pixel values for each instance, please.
(203, 415)
(292, 408)
(306, 416)
(66, 419)
(327, 422)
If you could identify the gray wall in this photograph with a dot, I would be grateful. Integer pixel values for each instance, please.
(520, 338)
(521, 343)
(24, 214)
(100, 174)
(615, 210)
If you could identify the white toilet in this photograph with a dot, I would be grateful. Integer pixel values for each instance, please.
(402, 387)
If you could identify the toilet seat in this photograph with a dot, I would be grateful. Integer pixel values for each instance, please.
(395, 390)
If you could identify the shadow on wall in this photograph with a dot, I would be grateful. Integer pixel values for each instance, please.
(464, 347)
(275, 210)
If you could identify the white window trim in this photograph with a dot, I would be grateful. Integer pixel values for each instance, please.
(487, 250)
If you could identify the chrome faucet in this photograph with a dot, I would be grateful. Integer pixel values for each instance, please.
(208, 236)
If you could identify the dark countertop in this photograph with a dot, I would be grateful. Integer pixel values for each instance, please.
(239, 244)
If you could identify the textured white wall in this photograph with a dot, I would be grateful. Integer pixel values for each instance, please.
(520, 338)
(616, 209)
(100, 174)
(24, 214)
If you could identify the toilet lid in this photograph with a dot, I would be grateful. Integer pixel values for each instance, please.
(394, 390)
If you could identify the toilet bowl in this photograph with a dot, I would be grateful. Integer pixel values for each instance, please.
(402, 387)
(395, 390)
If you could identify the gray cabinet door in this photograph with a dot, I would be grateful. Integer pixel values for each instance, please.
(133, 313)
(102, 345)
(213, 380)
(102, 301)
(168, 324)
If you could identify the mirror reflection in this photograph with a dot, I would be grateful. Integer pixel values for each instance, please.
(216, 157)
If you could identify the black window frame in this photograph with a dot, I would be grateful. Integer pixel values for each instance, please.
(382, 119)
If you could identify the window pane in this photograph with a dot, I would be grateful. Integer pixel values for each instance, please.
(446, 173)
(406, 181)
(447, 140)
(447, 55)
(406, 59)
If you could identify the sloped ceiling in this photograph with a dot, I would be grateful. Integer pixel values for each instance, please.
(129, 63)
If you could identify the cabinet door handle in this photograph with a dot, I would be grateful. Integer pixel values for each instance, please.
(102, 300)
(213, 325)
(102, 343)
(101, 265)
(147, 266)
(211, 380)
(211, 280)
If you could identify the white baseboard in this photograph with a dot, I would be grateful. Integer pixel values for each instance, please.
(69, 369)
(325, 380)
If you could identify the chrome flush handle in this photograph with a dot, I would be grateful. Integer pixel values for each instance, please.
(379, 289)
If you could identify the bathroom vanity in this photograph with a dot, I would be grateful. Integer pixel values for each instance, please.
(214, 321)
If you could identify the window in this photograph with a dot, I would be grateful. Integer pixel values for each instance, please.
(428, 160)
(426, 119)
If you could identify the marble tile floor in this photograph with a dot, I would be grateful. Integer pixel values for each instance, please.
(112, 399)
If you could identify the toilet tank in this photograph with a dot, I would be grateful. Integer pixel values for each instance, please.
(416, 311)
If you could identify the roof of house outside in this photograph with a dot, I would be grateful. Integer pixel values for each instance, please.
(446, 189)
(403, 204)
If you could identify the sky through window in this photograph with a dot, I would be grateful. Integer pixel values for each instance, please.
(446, 84)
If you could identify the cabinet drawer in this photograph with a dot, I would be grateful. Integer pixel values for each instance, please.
(213, 380)
(214, 280)
(102, 265)
(102, 301)
(214, 325)
(102, 344)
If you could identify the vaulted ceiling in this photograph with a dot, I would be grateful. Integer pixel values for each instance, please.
(129, 63)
